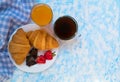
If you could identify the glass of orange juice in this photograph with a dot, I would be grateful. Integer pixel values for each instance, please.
(41, 14)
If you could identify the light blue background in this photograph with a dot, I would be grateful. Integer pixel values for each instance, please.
(93, 57)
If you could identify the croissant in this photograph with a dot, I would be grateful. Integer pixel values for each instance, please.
(28, 34)
(20, 37)
(32, 35)
(42, 40)
(19, 46)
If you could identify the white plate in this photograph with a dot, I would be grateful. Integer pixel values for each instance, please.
(37, 67)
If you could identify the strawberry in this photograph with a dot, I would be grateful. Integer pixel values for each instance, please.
(41, 59)
(49, 55)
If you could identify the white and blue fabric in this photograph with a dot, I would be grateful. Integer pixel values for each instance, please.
(13, 14)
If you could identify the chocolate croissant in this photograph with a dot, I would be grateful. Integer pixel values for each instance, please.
(19, 46)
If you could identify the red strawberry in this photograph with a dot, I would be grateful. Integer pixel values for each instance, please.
(41, 59)
(48, 55)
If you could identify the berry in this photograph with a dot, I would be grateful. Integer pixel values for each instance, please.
(48, 55)
(41, 59)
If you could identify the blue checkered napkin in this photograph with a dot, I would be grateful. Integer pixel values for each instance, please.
(13, 13)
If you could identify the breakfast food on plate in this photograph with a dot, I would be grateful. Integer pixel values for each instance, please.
(19, 46)
(32, 36)
(51, 42)
(30, 59)
(48, 55)
(42, 40)
(33, 59)
(21, 43)
(20, 37)
(28, 33)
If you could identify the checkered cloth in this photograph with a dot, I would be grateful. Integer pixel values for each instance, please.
(13, 14)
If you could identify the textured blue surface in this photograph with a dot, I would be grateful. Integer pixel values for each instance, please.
(95, 56)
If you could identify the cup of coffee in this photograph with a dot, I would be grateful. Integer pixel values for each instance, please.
(65, 28)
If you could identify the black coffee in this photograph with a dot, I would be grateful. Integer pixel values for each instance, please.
(65, 27)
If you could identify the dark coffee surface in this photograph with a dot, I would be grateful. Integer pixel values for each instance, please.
(65, 28)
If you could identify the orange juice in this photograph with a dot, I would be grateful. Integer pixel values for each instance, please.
(41, 14)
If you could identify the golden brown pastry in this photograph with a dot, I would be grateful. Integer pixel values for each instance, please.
(32, 36)
(19, 59)
(29, 33)
(43, 41)
(51, 42)
(20, 37)
(40, 40)
(19, 46)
